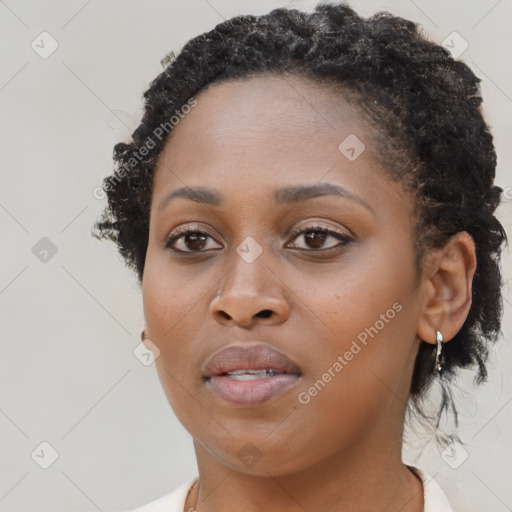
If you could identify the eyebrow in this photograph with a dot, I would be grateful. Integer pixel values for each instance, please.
(285, 195)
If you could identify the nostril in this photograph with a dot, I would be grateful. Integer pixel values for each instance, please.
(265, 313)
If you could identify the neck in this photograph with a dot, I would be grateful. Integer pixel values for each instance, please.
(375, 479)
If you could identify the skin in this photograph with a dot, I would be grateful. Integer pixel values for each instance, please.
(342, 450)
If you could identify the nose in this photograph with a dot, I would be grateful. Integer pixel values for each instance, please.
(250, 294)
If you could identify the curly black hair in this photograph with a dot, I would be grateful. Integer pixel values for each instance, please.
(424, 106)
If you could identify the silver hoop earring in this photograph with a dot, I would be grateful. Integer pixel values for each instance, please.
(439, 352)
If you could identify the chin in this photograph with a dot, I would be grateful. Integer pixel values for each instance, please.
(258, 456)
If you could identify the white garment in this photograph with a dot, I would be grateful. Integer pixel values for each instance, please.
(435, 499)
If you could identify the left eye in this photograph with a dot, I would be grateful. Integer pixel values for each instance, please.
(317, 236)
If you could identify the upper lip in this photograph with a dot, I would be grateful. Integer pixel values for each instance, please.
(252, 357)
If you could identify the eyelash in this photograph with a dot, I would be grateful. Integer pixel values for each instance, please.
(181, 232)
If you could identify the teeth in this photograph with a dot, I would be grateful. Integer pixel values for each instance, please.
(250, 374)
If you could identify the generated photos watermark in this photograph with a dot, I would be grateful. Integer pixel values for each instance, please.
(159, 133)
(305, 397)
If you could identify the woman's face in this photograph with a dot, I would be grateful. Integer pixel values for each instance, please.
(287, 327)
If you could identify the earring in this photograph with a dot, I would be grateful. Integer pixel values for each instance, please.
(439, 352)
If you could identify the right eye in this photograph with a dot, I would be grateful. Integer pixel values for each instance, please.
(189, 240)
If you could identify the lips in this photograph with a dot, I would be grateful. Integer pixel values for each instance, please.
(254, 357)
(250, 375)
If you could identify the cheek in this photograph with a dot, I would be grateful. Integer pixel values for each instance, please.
(172, 308)
(369, 311)
(170, 298)
(364, 294)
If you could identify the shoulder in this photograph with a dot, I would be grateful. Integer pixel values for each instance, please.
(173, 502)
(435, 498)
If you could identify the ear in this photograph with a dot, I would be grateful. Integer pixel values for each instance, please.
(144, 338)
(446, 288)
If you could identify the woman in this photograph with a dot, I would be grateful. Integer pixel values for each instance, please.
(309, 206)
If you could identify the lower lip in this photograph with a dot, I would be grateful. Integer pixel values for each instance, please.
(251, 392)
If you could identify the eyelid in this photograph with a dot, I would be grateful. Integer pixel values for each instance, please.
(318, 224)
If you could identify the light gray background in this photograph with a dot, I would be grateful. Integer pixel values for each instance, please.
(69, 326)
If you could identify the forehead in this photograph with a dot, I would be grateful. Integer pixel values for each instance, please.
(266, 125)
(254, 135)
